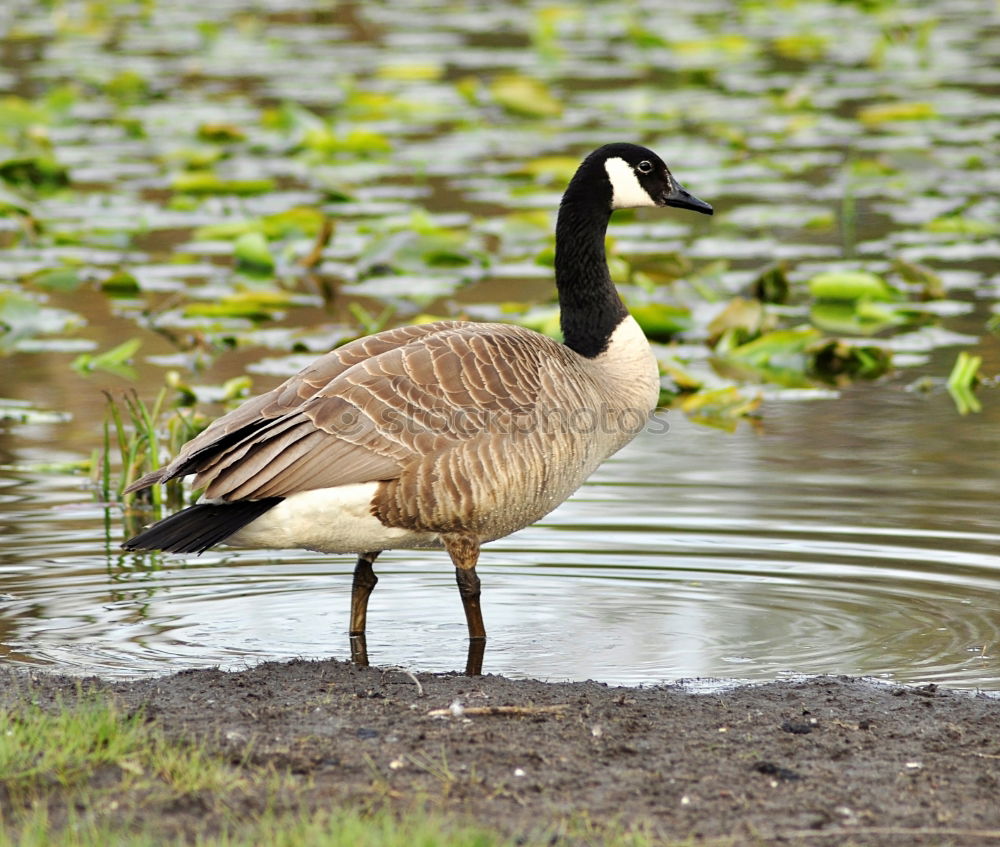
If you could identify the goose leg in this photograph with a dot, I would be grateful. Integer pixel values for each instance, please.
(361, 589)
(359, 650)
(464, 552)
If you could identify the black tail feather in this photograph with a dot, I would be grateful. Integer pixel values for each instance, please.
(197, 528)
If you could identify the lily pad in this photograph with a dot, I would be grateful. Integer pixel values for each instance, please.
(780, 344)
(117, 360)
(56, 279)
(771, 284)
(836, 361)
(890, 112)
(722, 408)
(851, 285)
(661, 321)
(864, 317)
(251, 305)
(357, 142)
(221, 133)
(209, 182)
(525, 96)
(739, 321)
(41, 172)
(253, 255)
(958, 225)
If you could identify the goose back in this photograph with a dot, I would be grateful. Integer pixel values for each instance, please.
(480, 428)
(254, 414)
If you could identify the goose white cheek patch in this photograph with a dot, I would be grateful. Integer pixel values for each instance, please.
(626, 191)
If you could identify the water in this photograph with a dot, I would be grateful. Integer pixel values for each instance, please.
(817, 545)
(855, 533)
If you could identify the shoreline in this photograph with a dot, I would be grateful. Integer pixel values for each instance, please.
(830, 760)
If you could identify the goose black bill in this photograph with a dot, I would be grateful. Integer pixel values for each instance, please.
(681, 198)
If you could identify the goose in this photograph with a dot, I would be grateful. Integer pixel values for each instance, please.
(447, 434)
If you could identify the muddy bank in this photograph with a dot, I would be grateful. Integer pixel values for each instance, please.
(825, 761)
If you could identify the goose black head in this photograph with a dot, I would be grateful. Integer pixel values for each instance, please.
(638, 177)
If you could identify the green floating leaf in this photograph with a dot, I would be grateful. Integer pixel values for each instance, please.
(722, 408)
(411, 71)
(253, 256)
(640, 36)
(683, 380)
(444, 258)
(116, 360)
(661, 321)
(958, 225)
(729, 44)
(128, 87)
(546, 257)
(863, 317)
(120, 283)
(18, 114)
(236, 387)
(56, 279)
(781, 344)
(11, 201)
(291, 117)
(889, 112)
(835, 361)
(413, 250)
(851, 285)
(771, 284)
(36, 171)
(789, 357)
(252, 305)
(357, 142)
(221, 133)
(931, 284)
(738, 322)
(194, 158)
(802, 46)
(525, 96)
(297, 221)
(619, 269)
(209, 182)
(557, 170)
(543, 319)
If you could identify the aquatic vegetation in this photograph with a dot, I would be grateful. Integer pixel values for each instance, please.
(962, 380)
(228, 183)
(23, 318)
(116, 360)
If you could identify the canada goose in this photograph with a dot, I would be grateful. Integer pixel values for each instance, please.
(444, 434)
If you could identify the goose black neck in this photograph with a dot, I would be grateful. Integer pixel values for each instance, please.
(589, 305)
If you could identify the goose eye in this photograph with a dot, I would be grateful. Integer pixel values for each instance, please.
(645, 166)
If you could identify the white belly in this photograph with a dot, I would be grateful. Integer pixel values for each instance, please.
(329, 520)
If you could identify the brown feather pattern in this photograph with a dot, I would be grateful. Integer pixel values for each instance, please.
(467, 428)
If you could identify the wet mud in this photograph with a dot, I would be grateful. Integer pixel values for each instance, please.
(828, 760)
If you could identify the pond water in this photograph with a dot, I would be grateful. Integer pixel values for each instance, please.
(833, 541)
(852, 530)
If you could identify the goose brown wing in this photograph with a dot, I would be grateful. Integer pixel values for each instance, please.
(386, 412)
(257, 414)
